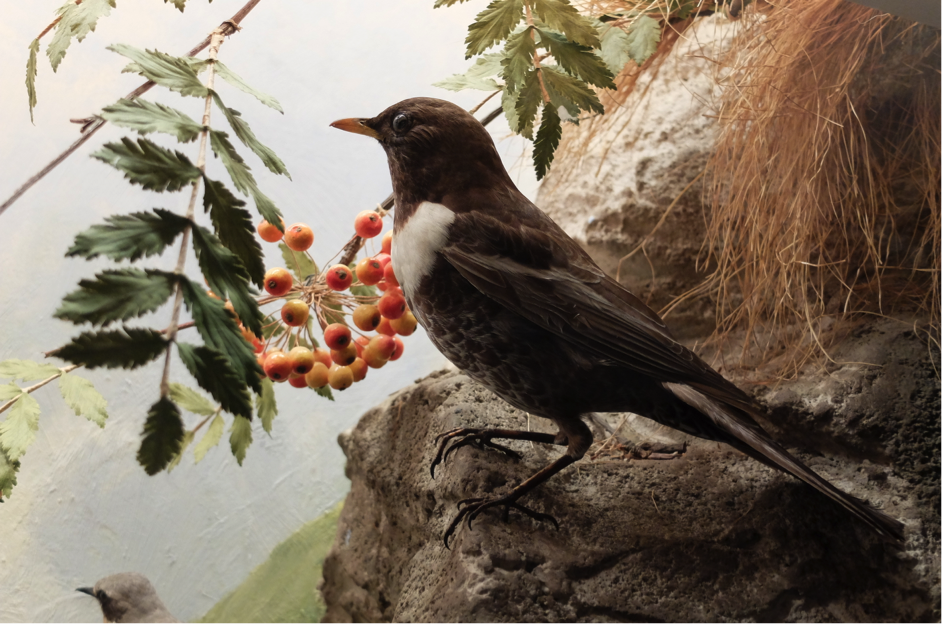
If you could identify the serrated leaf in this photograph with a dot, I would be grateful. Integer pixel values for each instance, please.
(478, 75)
(562, 16)
(245, 134)
(227, 277)
(508, 101)
(493, 24)
(191, 400)
(325, 392)
(131, 236)
(577, 59)
(234, 228)
(518, 58)
(168, 71)
(7, 475)
(614, 48)
(298, 262)
(241, 175)
(76, 21)
(196, 64)
(218, 329)
(333, 310)
(265, 405)
(187, 440)
(145, 117)
(240, 437)
(180, 4)
(26, 370)
(643, 36)
(163, 436)
(18, 430)
(236, 81)
(215, 374)
(8, 391)
(83, 398)
(124, 348)
(570, 93)
(116, 295)
(210, 438)
(547, 138)
(153, 167)
(528, 102)
(31, 76)
(446, 3)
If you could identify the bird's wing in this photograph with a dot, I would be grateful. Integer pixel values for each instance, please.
(536, 270)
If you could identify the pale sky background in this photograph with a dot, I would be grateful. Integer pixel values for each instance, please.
(83, 507)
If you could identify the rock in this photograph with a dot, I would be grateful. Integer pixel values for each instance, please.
(710, 536)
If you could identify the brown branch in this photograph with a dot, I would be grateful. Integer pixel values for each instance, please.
(228, 27)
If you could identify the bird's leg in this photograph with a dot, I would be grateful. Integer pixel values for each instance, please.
(482, 438)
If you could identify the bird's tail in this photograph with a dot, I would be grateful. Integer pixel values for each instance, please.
(747, 436)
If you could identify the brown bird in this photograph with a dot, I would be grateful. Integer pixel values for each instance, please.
(128, 597)
(517, 305)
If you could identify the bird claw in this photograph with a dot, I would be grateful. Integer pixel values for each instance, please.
(470, 508)
(479, 438)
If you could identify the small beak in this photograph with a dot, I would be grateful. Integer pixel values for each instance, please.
(356, 126)
(86, 590)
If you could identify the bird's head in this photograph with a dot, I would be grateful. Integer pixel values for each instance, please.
(126, 597)
(435, 149)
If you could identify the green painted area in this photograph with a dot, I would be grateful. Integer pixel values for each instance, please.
(284, 588)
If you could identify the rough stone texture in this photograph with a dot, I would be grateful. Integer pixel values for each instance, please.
(710, 536)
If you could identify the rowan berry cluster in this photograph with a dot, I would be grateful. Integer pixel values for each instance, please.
(290, 352)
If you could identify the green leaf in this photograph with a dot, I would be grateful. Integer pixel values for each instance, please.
(227, 277)
(547, 138)
(8, 391)
(76, 21)
(562, 16)
(26, 370)
(180, 4)
(31, 76)
(446, 3)
(362, 290)
(163, 436)
(18, 431)
(145, 117)
(240, 437)
(191, 400)
(116, 295)
(325, 392)
(265, 404)
(210, 438)
(7, 474)
(219, 331)
(241, 175)
(128, 347)
(168, 71)
(569, 92)
(236, 81)
(518, 58)
(153, 167)
(298, 263)
(131, 236)
(614, 49)
(477, 77)
(212, 372)
(234, 228)
(644, 35)
(528, 103)
(493, 24)
(245, 134)
(577, 59)
(187, 440)
(83, 398)
(508, 101)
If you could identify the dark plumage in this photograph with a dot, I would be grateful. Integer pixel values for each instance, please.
(516, 304)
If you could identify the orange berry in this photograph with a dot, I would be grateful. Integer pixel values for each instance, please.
(317, 376)
(373, 358)
(369, 271)
(359, 369)
(340, 377)
(322, 356)
(269, 232)
(392, 305)
(299, 237)
(278, 281)
(298, 381)
(390, 275)
(277, 366)
(344, 356)
(397, 353)
(337, 336)
(339, 277)
(387, 243)
(301, 359)
(366, 317)
(368, 224)
(404, 325)
(385, 328)
(295, 313)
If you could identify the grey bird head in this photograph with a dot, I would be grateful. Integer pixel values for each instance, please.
(128, 597)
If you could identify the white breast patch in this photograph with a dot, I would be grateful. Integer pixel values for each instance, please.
(415, 245)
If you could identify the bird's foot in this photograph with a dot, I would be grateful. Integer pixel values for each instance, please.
(478, 438)
(469, 508)
(649, 450)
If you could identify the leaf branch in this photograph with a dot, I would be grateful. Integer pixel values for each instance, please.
(536, 57)
(37, 386)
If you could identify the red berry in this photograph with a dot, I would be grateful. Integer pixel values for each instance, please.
(336, 336)
(344, 356)
(390, 275)
(369, 271)
(277, 281)
(322, 356)
(361, 342)
(385, 328)
(258, 345)
(366, 317)
(387, 243)
(277, 366)
(359, 369)
(383, 258)
(295, 312)
(405, 325)
(317, 376)
(392, 305)
(340, 377)
(269, 232)
(383, 345)
(301, 359)
(368, 224)
(398, 351)
(339, 277)
(298, 381)
(299, 237)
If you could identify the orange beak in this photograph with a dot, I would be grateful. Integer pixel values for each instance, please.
(356, 126)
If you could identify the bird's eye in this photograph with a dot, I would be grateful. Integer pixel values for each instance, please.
(401, 123)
